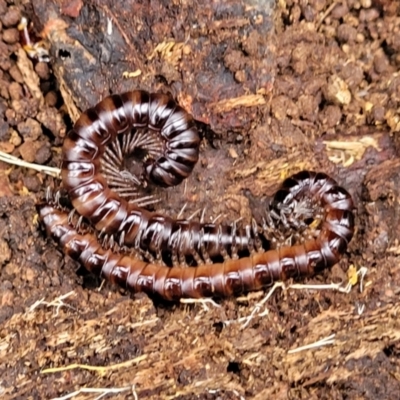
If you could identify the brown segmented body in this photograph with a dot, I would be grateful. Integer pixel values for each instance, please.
(92, 197)
(232, 276)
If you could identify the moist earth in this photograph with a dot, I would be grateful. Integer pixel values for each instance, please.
(275, 88)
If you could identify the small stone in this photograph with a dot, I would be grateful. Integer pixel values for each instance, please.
(25, 107)
(51, 99)
(360, 38)
(15, 91)
(233, 153)
(16, 74)
(30, 274)
(331, 116)
(15, 139)
(29, 129)
(7, 147)
(368, 15)
(43, 154)
(346, 33)
(32, 183)
(308, 13)
(12, 117)
(378, 114)
(5, 190)
(11, 35)
(381, 63)
(240, 76)
(11, 17)
(339, 11)
(28, 151)
(366, 3)
(352, 74)
(43, 71)
(308, 106)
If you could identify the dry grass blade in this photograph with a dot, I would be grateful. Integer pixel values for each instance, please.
(9, 159)
(101, 391)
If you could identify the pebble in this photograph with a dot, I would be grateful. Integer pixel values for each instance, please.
(15, 139)
(15, 91)
(28, 151)
(29, 129)
(32, 183)
(346, 33)
(43, 154)
(11, 35)
(16, 74)
(51, 98)
(7, 147)
(43, 71)
(11, 17)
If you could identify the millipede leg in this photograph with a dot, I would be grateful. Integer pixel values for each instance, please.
(203, 251)
(194, 214)
(203, 213)
(181, 211)
(71, 215)
(250, 241)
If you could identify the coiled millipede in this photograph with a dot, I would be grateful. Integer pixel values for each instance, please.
(99, 188)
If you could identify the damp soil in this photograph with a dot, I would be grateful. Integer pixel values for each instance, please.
(275, 89)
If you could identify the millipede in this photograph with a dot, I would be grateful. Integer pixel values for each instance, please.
(99, 182)
(102, 187)
(232, 276)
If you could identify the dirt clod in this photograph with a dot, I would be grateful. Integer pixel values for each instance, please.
(10, 36)
(28, 150)
(43, 153)
(29, 129)
(43, 70)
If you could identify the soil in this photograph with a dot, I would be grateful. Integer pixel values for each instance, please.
(276, 89)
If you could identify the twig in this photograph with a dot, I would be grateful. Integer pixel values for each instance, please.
(8, 158)
(260, 304)
(203, 302)
(58, 303)
(334, 286)
(323, 342)
(256, 308)
(297, 286)
(103, 392)
(99, 369)
(326, 13)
